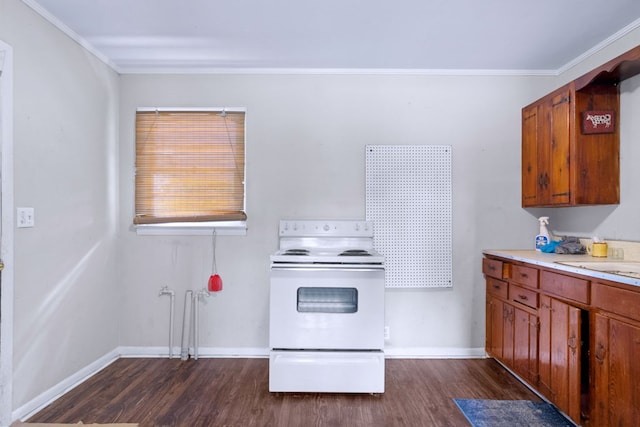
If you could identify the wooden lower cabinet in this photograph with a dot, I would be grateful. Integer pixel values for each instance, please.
(616, 372)
(512, 338)
(494, 326)
(538, 326)
(560, 355)
(512, 326)
(525, 345)
(574, 339)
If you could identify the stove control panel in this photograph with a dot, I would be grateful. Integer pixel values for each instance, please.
(328, 228)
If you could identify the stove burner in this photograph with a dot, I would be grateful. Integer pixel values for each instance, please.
(296, 252)
(355, 252)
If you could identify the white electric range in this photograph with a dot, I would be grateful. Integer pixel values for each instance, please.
(326, 329)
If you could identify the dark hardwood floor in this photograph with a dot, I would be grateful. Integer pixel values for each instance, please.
(234, 392)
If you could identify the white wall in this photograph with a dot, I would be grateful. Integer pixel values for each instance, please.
(306, 136)
(65, 130)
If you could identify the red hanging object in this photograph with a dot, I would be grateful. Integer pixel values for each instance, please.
(215, 283)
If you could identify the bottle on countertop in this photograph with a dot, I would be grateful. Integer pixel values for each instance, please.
(543, 237)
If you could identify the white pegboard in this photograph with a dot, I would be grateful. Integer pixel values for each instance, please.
(408, 197)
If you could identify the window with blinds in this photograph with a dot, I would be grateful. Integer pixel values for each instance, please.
(190, 166)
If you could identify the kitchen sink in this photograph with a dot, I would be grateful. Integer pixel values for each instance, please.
(621, 268)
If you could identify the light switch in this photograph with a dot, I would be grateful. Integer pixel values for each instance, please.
(26, 217)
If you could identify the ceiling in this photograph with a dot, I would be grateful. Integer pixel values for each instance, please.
(515, 36)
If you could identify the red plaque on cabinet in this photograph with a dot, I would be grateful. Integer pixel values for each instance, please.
(600, 121)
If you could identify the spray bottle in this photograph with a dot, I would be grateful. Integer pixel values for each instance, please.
(543, 236)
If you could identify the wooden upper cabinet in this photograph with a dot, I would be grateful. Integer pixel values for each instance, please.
(557, 179)
(561, 164)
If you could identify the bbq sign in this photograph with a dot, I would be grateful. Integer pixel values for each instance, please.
(598, 122)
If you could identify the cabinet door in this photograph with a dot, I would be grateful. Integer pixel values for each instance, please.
(559, 355)
(525, 341)
(508, 329)
(546, 161)
(558, 187)
(544, 347)
(494, 334)
(616, 372)
(565, 357)
(530, 156)
(543, 148)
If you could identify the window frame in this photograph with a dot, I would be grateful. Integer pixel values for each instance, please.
(232, 227)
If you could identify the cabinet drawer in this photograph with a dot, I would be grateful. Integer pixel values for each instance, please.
(615, 300)
(495, 268)
(523, 296)
(522, 275)
(565, 286)
(497, 287)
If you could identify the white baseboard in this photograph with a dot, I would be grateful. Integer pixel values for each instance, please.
(29, 409)
(204, 352)
(69, 383)
(259, 352)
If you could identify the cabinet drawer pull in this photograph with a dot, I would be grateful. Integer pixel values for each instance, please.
(524, 275)
(600, 353)
(571, 342)
(496, 287)
(523, 297)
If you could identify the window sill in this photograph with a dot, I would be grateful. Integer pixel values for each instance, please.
(227, 228)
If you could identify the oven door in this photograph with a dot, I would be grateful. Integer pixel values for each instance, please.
(320, 308)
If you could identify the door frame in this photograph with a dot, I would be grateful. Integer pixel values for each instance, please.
(6, 240)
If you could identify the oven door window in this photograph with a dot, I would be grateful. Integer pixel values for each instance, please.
(327, 300)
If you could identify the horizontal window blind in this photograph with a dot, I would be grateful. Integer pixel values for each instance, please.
(190, 166)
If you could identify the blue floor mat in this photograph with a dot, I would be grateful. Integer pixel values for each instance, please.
(510, 413)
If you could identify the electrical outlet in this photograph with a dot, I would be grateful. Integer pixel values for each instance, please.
(26, 217)
(387, 333)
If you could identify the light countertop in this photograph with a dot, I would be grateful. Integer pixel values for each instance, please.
(552, 260)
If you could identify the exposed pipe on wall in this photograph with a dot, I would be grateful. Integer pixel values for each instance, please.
(193, 327)
(197, 298)
(166, 291)
(188, 303)
(191, 323)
